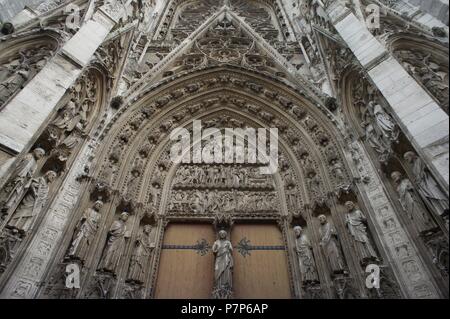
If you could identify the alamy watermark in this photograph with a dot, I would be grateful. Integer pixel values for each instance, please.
(373, 279)
(226, 146)
(73, 19)
(373, 17)
(73, 276)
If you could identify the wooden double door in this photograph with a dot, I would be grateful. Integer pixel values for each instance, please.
(186, 269)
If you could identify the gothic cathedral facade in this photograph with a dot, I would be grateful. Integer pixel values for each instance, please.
(92, 93)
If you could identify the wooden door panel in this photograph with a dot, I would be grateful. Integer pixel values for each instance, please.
(263, 272)
(184, 273)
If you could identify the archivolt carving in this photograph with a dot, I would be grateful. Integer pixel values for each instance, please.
(198, 101)
(20, 60)
(427, 62)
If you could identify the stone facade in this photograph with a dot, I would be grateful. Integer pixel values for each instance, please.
(90, 92)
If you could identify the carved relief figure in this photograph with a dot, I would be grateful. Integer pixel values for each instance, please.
(306, 261)
(19, 70)
(14, 80)
(379, 145)
(223, 269)
(85, 232)
(115, 245)
(67, 119)
(383, 121)
(356, 223)
(411, 204)
(21, 179)
(426, 185)
(142, 251)
(330, 245)
(32, 204)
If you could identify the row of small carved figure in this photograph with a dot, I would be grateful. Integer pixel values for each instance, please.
(202, 202)
(222, 176)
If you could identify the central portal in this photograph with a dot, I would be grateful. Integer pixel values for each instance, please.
(186, 269)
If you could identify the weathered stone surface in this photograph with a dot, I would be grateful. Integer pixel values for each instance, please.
(361, 175)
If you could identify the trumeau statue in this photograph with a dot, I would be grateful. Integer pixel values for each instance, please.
(426, 185)
(85, 232)
(330, 245)
(356, 223)
(32, 203)
(306, 261)
(223, 269)
(143, 248)
(21, 179)
(411, 204)
(115, 245)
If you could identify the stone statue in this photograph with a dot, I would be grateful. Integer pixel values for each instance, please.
(411, 204)
(377, 143)
(115, 245)
(330, 245)
(338, 170)
(306, 261)
(67, 119)
(85, 232)
(143, 248)
(291, 194)
(356, 223)
(426, 185)
(223, 270)
(32, 203)
(383, 121)
(21, 179)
